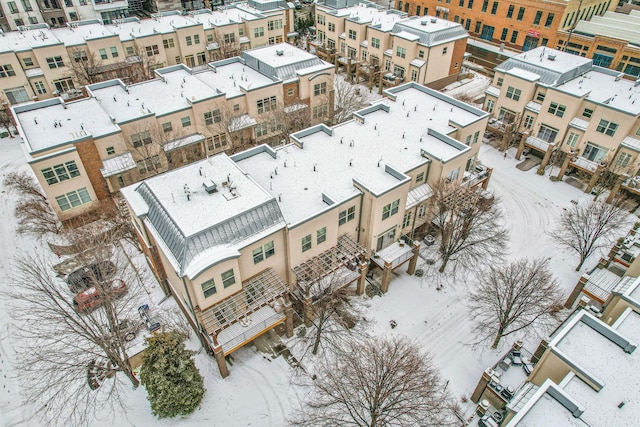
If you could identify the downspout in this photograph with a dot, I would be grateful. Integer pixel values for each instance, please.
(360, 217)
(202, 333)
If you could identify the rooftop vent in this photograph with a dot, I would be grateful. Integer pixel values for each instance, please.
(279, 52)
(433, 20)
(210, 186)
(423, 22)
(551, 57)
(619, 77)
(636, 83)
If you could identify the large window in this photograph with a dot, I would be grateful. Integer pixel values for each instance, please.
(321, 235)
(390, 209)
(494, 8)
(557, 109)
(306, 243)
(140, 139)
(536, 20)
(149, 164)
(401, 52)
(55, 62)
(594, 152)
(572, 140)
(61, 172)
(352, 34)
(513, 93)
(263, 252)
(208, 288)
(320, 89)
(607, 127)
(510, 11)
(73, 199)
(267, 104)
(623, 160)
(319, 111)
(258, 32)
(168, 43)
(152, 50)
(520, 14)
(211, 117)
(7, 71)
(549, 20)
(346, 215)
(528, 121)
(375, 42)
(228, 278)
(547, 133)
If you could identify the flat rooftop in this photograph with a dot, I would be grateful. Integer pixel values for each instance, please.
(615, 25)
(328, 164)
(38, 36)
(50, 123)
(233, 78)
(364, 13)
(290, 55)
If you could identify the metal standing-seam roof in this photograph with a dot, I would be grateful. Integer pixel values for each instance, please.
(431, 38)
(225, 233)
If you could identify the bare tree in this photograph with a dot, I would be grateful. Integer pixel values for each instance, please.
(73, 355)
(141, 64)
(608, 175)
(329, 311)
(470, 225)
(227, 46)
(6, 118)
(283, 121)
(85, 67)
(229, 128)
(376, 382)
(587, 227)
(348, 98)
(33, 211)
(513, 298)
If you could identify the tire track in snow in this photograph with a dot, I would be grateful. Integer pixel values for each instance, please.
(258, 377)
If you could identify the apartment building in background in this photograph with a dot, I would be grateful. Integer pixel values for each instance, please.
(611, 41)
(39, 62)
(364, 37)
(562, 105)
(284, 223)
(521, 24)
(82, 151)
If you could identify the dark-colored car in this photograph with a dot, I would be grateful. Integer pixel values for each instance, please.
(94, 296)
(87, 276)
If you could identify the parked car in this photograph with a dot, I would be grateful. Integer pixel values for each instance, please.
(87, 276)
(93, 297)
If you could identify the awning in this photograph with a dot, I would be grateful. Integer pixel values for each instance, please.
(213, 46)
(117, 164)
(241, 122)
(293, 34)
(183, 142)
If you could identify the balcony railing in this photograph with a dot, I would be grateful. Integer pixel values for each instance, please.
(584, 164)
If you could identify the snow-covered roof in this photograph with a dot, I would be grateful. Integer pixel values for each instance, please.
(31, 37)
(282, 61)
(553, 66)
(608, 358)
(238, 210)
(366, 12)
(183, 141)
(401, 134)
(233, 78)
(578, 123)
(418, 195)
(241, 122)
(631, 143)
(429, 30)
(533, 106)
(117, 164)
(52, 122)
(615, 25)
(523, 74)
(493, 91)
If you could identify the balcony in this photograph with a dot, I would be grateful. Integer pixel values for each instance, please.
(475, 177)
(538, 144)
(395, 254)
(584, 164)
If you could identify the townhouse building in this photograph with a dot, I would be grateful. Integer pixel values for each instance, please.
(284, 223)
(521, 24)
(611, 41)
(81, 151)
(39, 62)
(365, 37)
(582, 117)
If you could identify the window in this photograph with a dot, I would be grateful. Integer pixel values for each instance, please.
(444, 50)
(267, 104)
(216, 142)
(352, 34)
(557, 109)
(375, 42)
(26, 5)
(514, 37)
(129, 50)
(114, 52)
(606, 127)
(594, 152)
(229, 38)
(263, 252)
(467, 140)
(406, 220)
(346, 215)
(211, 117)
(40, 88)
(398, 71)
(321, 235)
(528, 121)
(494, 8)
(228, 278)
(19, 22)
(549, 20)
(111, 151)
(332, 27)
(55, 62)
(320, 89)
(588, 112)
(520, 14)
(236, 107)
(513, 93)
(140, 139)
(547, 133)
(306, 243)
(421, 54)
(572, 140)
(258, 32)
(485, 4)
(510, 12)
(261, 129)
(623, 160)
(208, 288)
(103, 53)
(149, 164)
(414, 75)
(478, 26)
(167, 127)
(490, 105)
(419, 177)
(189, 41)
(61, 172)
(470, 4)
(319, 111)
(28, 62)
(499, 82)
(73, 199)
(417, 10)
(321, 19)
(152, 50)
(12, 7)
(6, 71)
(540, 96)
(390, 209)
(168, 43)
(536, 20)
(196, 39)
(503, 36)
(401, 52)
(475, 137)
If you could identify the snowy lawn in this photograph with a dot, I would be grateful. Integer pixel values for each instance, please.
(258, 391)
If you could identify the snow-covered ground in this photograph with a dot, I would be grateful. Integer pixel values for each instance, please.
(258, 391)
